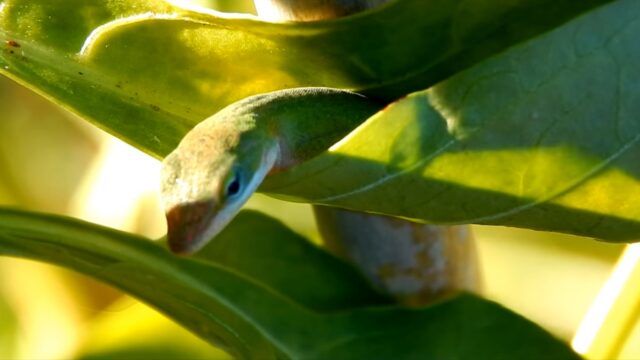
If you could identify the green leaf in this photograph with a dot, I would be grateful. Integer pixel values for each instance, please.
(156, 70)
(545, 136)
(264, 249)
(255, 321)
(140, 333)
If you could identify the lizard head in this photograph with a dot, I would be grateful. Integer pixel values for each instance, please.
(210, 175)
(221, 162)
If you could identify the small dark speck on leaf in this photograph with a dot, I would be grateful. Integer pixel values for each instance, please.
(80, 73)
(12, 43)
(155, 107)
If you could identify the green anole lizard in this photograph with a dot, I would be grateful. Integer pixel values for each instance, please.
(222, 161)
(416, 263)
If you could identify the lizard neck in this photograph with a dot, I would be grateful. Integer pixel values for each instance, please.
(304, 122)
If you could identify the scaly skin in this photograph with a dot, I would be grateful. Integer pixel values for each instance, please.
(222, 161)
(310, 10)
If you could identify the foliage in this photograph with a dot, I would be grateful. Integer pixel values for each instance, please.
(535, 180)
(527, 122)
(262, 314)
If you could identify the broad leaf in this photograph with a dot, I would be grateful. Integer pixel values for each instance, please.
(514, 141)
(156, 70)
(264, 249)
(545, 136)
(254, 321)
(137, 333)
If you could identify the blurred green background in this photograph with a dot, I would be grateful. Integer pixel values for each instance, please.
(53, 162)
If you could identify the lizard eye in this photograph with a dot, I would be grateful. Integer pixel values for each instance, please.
(234, 186)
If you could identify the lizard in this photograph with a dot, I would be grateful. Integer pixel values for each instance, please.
(222, 161)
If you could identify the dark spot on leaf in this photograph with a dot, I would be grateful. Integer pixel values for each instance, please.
(12, 43)
(80, 73)
(155, 107)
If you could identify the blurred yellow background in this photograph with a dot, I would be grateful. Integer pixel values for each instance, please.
(50, 161)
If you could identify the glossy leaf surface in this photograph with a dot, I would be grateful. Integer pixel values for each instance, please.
(147, 71)
(545, 136)
(253, 320)
(495, 144)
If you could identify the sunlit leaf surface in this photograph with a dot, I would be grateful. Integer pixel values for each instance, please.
(545, 136)
(148, 71)
(521, 139)
(541, 136)
(229, 307)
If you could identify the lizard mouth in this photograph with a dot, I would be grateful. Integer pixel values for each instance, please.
(187, 224)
